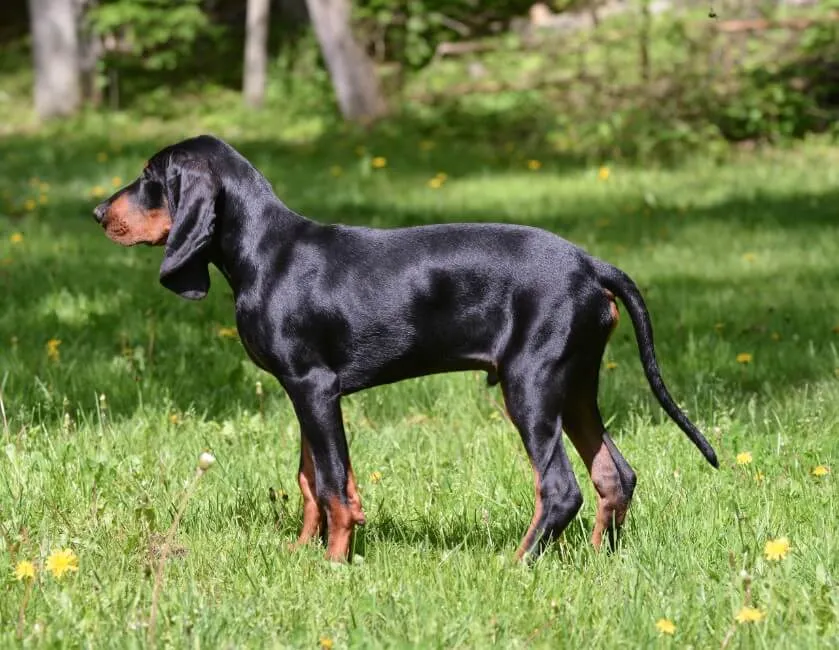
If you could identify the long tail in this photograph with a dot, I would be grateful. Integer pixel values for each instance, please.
(624, 288)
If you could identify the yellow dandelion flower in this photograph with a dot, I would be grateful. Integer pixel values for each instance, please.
(426, 145)
(228, 332)
(326, 643)
(744, 357)
(375, 477)
(749, 257)
(379, 162)
(749, 615)
(116, 181)
(603, 173)
(336, 170)
(52, 349)
(25, 570)
(776, 549)
(97, 192)
(101, 156)
(820, 470)
(61, 562)
(775, 336)
(611, 365)
(436, 183)
(443, 176)
(43, 199)
(534, 165)
(16, 238)
(744, 458)
(174, 418)
(665, 626)
(29, 205)
(44, 187)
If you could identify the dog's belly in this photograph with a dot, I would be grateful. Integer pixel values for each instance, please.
(408, 367)
(437, 341)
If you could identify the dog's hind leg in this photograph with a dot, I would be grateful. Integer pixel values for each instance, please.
(613, 478)
(532, 392)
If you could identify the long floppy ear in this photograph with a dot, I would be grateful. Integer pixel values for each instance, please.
(191, 189)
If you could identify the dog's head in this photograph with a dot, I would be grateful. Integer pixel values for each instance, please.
(171, 204)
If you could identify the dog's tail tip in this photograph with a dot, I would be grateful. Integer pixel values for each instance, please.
(711, 457)
(699, 441)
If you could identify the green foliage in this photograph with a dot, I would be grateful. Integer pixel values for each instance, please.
(158, 33)
(824, 34)
(412, 29)
(170, 57)
(787, 97)
(766, 107)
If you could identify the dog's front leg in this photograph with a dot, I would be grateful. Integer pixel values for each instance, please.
(325, 462)
(313, 518)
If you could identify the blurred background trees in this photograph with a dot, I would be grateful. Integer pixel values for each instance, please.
(256, 52)
(632, 77)
(55, 57)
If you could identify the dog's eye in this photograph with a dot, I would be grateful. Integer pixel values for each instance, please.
(152, 192)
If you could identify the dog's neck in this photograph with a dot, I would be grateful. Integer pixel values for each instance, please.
(247, 223)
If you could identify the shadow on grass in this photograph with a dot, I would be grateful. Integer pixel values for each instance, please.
(497, 536)
(458, 141)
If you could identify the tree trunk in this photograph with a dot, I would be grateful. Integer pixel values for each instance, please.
(90, 54)
(353, 74)
(256, 52)
(644, 40)
(55, 49)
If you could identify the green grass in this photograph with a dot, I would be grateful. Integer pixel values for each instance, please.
(734, 258)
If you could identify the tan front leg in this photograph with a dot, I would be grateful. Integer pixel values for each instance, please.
(312, 520)
(342, 519)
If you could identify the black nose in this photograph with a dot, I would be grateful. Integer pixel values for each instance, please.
(99, 212)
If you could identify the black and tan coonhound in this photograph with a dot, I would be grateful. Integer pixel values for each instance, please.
(330, 310)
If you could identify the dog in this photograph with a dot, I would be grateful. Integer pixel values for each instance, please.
(330, 310)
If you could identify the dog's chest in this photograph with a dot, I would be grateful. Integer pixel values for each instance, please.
(250, 333)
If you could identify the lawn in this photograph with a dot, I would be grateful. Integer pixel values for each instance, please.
(112, 387)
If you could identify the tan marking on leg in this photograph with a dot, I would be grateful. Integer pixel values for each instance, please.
(311, 512)
(342, 519)
(612, 503)
(526, 541)
(340, 522)
(355, 501)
